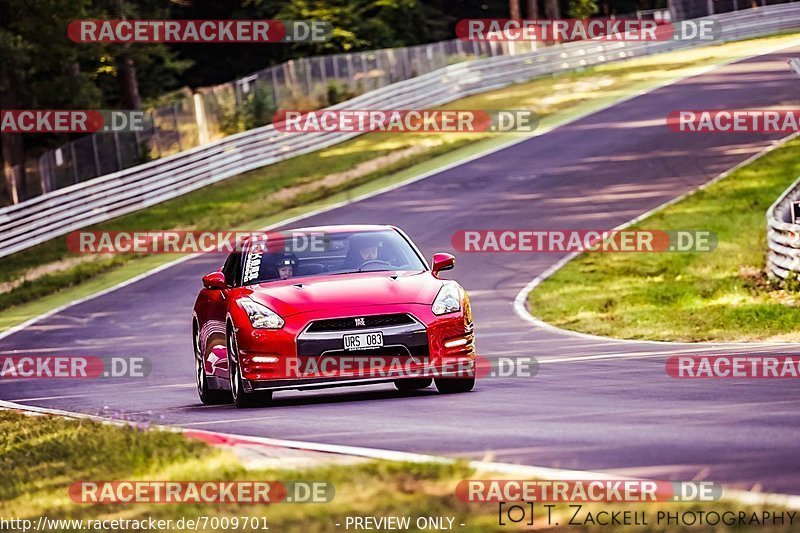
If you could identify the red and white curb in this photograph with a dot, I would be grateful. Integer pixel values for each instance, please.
(351, 454)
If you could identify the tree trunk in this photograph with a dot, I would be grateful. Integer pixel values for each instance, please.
(126, 68)
(533, 9)
(513, 8)
(551, 9)
(13, 149)
(128, 84)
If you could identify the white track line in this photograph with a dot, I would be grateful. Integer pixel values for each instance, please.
(749, 498)
(641, 355)
(788, 501)
(520, 301)
(424, 175)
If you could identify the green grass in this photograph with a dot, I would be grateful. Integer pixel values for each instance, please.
(249, 201)
(722, 295)
(41, 456)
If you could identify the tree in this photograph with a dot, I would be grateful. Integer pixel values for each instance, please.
(126, 67)
(15, 52)
(582, 9)
(364, 24)
(137, 70)
(40, 69)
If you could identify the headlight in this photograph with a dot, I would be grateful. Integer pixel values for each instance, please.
(261, 316)
(447, 301)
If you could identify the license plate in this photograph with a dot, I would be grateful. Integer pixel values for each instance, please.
(363, 341)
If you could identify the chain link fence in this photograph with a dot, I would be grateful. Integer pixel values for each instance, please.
(42, 218)
(212, 113)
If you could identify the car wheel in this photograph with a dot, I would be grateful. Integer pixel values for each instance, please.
(454, 385)
(409, 384)
(207, 395)
(241, 398)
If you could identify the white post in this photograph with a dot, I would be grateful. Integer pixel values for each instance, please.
(200, 118)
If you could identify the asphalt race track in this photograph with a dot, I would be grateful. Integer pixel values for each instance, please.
(619, 414)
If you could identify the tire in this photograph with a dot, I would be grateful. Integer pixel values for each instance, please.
(409, 384)
(241, 398)
(208, 395)
(454, 385)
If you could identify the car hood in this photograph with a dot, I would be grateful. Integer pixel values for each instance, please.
(317, 293)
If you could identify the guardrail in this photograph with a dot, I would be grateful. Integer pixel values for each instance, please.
(783, 235)
(212, 113)
(54, 214)
(795, 64)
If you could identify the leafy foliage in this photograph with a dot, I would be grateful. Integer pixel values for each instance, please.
(582, 9)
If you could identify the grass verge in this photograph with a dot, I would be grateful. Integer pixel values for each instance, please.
(722, 295)
(41, 456)
(47, 276)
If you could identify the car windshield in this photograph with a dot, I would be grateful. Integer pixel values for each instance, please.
(301, 254)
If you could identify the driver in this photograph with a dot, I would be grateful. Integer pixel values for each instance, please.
(363, 248)
(368, 252)
(282, 265)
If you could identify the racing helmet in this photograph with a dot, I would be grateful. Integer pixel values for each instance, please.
(272, 262)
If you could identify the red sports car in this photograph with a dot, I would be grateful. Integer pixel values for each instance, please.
(330, 306)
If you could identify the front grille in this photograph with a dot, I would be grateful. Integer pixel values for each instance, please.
(398, 350)
(359, 322)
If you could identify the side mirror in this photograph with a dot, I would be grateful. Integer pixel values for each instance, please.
(442, 261)
(214, 280)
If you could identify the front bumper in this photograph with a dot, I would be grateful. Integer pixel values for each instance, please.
(296, 358)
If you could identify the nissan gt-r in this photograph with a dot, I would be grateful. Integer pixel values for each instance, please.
(330, 306)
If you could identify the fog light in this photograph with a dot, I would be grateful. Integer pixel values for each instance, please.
(453, 344)
(262, 359)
